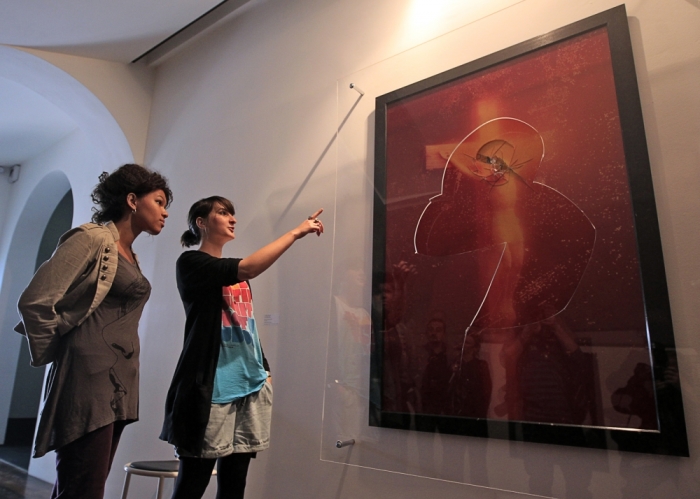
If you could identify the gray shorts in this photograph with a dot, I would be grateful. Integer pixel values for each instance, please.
(239, 426)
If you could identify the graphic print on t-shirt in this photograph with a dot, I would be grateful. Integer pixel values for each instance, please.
(239, 370)
(239, 310)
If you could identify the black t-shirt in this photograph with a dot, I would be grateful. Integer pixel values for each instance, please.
(200, 278)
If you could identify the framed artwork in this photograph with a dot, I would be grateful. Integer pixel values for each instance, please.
(519, 289)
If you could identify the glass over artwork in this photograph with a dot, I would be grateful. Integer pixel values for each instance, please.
(498, 284)
(512, 290)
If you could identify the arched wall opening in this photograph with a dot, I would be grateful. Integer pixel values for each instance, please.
(73, 163)
(46, 215)
(27, 387)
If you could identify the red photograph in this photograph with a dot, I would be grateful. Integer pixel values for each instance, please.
(508, 278)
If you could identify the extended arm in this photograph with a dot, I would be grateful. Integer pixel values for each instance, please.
(257, 263)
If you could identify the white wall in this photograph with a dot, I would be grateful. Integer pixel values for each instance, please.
(96, 144)
(124, 89)
(248, 111)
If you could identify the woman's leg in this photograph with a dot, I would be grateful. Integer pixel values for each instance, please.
(193, 477)
(231, 475)
(82, 466)
(118, 428)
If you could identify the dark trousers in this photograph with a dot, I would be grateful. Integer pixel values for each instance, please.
(194, 475)
(82, 466)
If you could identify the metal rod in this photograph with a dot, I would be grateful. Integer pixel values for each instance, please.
(344, 443)
(355, 87)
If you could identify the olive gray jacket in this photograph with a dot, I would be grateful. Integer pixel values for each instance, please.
(67, 288)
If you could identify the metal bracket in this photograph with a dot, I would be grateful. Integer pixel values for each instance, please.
(344, 443)
(358, 89)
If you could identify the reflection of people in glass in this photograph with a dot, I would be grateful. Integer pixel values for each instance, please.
(636, 398)
(349, 354)
(435, 379)
(398, 392)
(470, 397)
(547, 381)
(545, 375)
(353, 328)
(471, 384)
(646, 390)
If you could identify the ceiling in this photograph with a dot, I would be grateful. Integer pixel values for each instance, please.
(118, 31)
(29, 124)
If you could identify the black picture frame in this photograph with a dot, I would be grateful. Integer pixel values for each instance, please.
(671, 438)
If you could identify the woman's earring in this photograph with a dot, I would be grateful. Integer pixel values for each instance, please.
(133, 211)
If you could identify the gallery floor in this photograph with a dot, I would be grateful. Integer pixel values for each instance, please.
(15, 455)
(16, 484)
(14, 481)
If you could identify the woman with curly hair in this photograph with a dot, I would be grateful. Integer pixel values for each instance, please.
(80, 313)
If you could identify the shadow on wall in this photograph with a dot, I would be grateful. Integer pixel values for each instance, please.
(53, 190)
(26, 392)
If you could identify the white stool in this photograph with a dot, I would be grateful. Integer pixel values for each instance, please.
(160, 469)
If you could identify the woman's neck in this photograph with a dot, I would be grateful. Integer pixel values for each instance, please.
(127, 236)
(210, 248)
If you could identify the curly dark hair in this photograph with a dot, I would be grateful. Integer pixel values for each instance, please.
(110, 194)
(201, 209)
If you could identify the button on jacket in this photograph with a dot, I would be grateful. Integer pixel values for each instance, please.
(68, 287)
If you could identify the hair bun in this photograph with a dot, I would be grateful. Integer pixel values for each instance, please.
(189, 238)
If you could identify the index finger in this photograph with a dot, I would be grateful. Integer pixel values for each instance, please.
(317, 213)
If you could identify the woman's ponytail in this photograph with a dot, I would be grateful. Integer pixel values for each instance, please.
(189, 238)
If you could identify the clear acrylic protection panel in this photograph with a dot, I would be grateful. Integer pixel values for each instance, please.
(488, 298)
